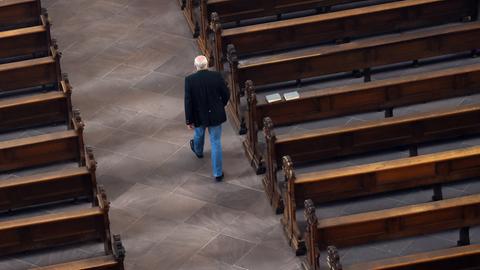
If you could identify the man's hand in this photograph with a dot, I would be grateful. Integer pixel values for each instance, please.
(190, 126)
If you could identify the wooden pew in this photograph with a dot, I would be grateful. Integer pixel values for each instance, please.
(362, 54)
(19, 13)
(426, 218)
(44, 149)
(225, 11)
(370, 179)
(108, 262)
(50, 187)
(458, 258)
(188, 8)
(390, 133)
(53, 230)
(28, 41)
(356, 98)
(40, 72)
(340, 26)
(37, 110)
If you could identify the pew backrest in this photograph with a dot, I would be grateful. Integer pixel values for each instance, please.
(19, 13)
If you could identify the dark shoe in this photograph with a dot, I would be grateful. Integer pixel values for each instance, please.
(219, 178)
(193, 150)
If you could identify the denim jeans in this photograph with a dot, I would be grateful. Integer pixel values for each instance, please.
(215, 134)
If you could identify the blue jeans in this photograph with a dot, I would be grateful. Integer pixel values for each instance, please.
(215, 134)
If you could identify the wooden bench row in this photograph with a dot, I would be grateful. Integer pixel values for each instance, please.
(390, 133)
(363, 54)
(28, 41)
(426, 218)
(228, 11)
(41, 109)
(458, 258)
(339, 27)
(371, 179)
(384, 95)
(61, 146)
(43, 73)
(19, 13)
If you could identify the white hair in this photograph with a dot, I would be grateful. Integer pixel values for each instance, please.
(201, 62)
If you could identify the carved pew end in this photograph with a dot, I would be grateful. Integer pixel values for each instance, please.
(437, 193)
(464, 237)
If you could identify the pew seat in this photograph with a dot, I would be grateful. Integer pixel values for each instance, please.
(413, 220)
(25, 42)
(458, 258)
(325, 186)
(391, 133)
(362, 54)
(97, 263)
(19, 13)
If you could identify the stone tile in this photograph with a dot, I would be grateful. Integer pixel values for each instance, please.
(14, 264)
(150, 229)
(152, 103)
(182, 244)
(120, 142)
(122, 218)
(161, 84)
(148, 59)
(203, 263)
(167, 177)
(140, 197)
(222, 193)
(177, 133)
(266, 258)
(113, 116)
(144, 124)
(175, 207)
(213, 217)
(127, 73)
(184, 159)
(226, 249)
(251, 228)
(54, 256)
(153, 150)
(176, 67)
(95, 133)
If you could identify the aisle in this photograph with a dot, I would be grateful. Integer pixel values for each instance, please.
(127, 60)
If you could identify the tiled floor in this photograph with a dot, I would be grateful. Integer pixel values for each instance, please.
(126, 60)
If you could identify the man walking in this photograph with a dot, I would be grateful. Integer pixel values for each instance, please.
(206, 96)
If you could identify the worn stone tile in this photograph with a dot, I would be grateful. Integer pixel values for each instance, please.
(144, 124)
(14, 264)
(161, 83)
(152, 229)
(114, 116)
(175, 207)
(203, 263)
(139, 197)
(182, 244)
(153, 150)
(226, 249)
(167, 177)
(127, 73)
(213, 217)
(251, 228)
(265, 258)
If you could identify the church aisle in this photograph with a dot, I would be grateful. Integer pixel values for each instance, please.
(126, 60)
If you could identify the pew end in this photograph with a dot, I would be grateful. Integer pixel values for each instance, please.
(269, 183)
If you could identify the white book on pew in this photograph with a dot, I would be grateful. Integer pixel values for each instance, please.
(291, 95)
(273, 98)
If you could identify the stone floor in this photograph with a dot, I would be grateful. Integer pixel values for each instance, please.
(126, 60)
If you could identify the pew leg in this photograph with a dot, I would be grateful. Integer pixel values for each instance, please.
(474, 53)
(464, 237)
(357, 73)
(416, 63)
(367, 75)
(279, 17)
(196, 31)
(437, 193)
(342, 40)
(388, 112)
(237, 23)
(467, 19)
(298, 83)
(243, 127)
(322, 9)
(413, 151)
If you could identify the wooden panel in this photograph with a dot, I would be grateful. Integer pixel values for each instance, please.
(97, 263)
(31, 111)
(29, 73)
(353, 23)
(24, 41)
(19, 13)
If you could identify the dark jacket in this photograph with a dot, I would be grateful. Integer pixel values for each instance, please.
(206, 96)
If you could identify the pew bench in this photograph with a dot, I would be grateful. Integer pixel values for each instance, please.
(358, 98)
(339, 27)
(50, 187)
(458, 258)
(25, 42)
(44, 149)
(228, 11)
(371, 179)
(426, 218)
(19, 13)
(108, 262)
(43, 73)
(60, 229)
(390, 133)
(41, 109)
(359, 55)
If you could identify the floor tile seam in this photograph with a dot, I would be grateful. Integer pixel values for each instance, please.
(26, 262)
(247, 187)
(110, 72)
(246, 254)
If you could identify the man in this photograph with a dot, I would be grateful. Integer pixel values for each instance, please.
(206, 96)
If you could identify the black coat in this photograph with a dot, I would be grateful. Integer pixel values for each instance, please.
(206, 96)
